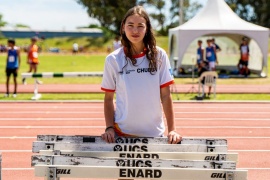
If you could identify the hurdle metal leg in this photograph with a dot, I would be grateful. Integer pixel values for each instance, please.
(51, 174)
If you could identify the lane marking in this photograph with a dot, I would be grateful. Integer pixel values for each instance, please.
(17, 169)
(49, 119)
(249, 150)
(93, 119)
(101, 112)
(255, 151)
(203, 137)
(71, 106)
(91, 127)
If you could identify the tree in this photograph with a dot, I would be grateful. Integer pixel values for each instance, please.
(159, 16)
(108, 12)
(189, 10)
(2, 23)
(255, 11)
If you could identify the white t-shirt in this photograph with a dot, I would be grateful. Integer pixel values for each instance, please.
(138, 106)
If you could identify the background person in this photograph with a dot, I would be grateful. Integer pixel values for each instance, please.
(244, 57)
(200, 54)
(12, 66)
(32, 58)
(211, 56)
(117, 43)
(140, 74)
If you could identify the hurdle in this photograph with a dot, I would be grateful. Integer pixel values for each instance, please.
(151, 158)
(57, 75)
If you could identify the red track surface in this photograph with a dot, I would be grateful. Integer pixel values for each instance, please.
(246, 126)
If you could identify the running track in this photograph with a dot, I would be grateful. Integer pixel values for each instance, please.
(245, 125)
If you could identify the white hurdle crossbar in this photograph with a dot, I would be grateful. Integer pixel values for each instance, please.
(57, 75)
(129, 158)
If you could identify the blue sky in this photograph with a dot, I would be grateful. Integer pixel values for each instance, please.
(47, 14)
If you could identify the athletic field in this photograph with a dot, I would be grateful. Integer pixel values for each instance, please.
(245, 125)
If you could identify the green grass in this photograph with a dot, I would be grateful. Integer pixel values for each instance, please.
(66, 62)
(181, 97)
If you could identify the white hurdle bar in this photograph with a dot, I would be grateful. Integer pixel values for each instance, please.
(57, 75)
(152, 158)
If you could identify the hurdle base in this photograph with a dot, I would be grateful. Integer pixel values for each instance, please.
(36, 97)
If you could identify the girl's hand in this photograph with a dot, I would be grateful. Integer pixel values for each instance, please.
(174, 137)
(108, 135)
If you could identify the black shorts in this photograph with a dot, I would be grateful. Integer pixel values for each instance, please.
(11, 71)
(243, 63)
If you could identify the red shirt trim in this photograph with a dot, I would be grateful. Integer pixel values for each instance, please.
(137, 55)
(118, 131)
(107, 90)
(167, 84)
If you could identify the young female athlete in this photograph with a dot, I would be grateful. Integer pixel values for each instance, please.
(140, 74)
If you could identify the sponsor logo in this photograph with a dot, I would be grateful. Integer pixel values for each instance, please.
(140, 173)
(131, 140)
(139, 156)
(218, 175)
(145, 70)
(129, 71)
(62, 171)
(211, 158)
(134, 148)
(134, 163)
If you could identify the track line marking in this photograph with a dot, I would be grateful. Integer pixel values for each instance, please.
(92, 119)
(91, 127)
(204, 137)
(17, 169)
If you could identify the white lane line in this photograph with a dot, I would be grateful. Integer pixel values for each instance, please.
(93, 127)
(50, 119)
(234, 112)
(253, 168)
(101, 112)
(257, 151)
(17, 169)
(204, 137)
(224, 119)
(101, 107)
(52, 112)
(31, 169)
(15, 151)
(93, 119)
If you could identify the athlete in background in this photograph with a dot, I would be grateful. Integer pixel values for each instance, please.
(200, 55)
(244, 57)
(211, 56)
(12, 66)
(32, 58)
(140, 75)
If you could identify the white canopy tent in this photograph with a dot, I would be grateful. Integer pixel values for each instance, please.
(216, 19)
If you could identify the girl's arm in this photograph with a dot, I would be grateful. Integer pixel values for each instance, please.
(109, 133)
(166, 100)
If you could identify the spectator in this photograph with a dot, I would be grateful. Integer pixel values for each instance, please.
(211, 55)
(12, 66)
(200, 54)
(117, 43)
(32, 58)
(140, 74)
(75, 48)
(244, 57)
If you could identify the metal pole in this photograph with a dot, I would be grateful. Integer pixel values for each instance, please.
(181, 12)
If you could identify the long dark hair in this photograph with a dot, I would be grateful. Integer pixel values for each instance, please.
(148, 40)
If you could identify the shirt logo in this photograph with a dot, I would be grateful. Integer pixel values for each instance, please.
(129, 71)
